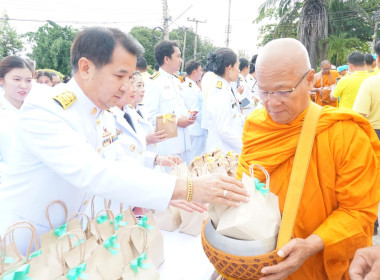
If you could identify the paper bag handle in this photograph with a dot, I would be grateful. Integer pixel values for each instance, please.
(111, 216)
(298, 175)
(128, 233)
(252, 172)
(60, 202)
(75, 215)
(82, 247)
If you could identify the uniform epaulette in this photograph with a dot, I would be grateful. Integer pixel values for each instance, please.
(190, 84)
(219, 84)
(130, 106)
(65, 99)
(155, 75)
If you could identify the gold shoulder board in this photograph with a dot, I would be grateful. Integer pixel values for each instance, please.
(219, 84)
(155, 75)
(190, 84)
(65, 99)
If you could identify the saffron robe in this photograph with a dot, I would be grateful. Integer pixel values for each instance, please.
(341, 192)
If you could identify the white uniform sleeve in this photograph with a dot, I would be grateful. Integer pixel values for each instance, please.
(50, 138)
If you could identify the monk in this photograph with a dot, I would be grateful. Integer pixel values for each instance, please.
(340, 198)
(323, 81)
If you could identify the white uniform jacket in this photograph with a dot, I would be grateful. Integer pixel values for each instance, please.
(146, 125)
(133, 142)
(8, 120)
(225, 120)
(58, 155)
(164, 96)
(194, 99)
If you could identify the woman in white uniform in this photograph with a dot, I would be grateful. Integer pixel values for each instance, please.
(152, 137)
(16, 78)
(224, 118)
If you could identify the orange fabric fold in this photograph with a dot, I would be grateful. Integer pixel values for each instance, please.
(341, 194)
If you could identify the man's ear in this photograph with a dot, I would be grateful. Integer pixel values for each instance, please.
(310, 77)
(166, 59)
(1, 81)
(85, 68)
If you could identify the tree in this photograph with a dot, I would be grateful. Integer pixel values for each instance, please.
(204, 46)
(145, 36)
(319, 19)
(10, 41)
(339, 47)
(51, 47)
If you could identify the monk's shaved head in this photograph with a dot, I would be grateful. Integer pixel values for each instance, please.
(284, 54)
(325, 63)
(283, 69)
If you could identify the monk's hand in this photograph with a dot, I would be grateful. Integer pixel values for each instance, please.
(219, 189)
(189, 206)
(295, 252)
(366, 264)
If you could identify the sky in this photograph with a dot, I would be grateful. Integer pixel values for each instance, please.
(28, 15)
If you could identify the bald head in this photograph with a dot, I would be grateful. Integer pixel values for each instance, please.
(283, 68)
(284, 54)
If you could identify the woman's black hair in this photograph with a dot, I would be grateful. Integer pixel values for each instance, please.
(218, 60)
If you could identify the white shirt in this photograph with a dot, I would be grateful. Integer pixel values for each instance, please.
(225, 120)
(164, 96)
(194, 99)
(67, 155)
(8, 117)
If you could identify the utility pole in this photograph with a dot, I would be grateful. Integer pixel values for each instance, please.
(166, 19)
(228, 25)
(196, 34)
(184, 48)
(375, 17)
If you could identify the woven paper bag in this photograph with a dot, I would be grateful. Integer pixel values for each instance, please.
(169, 219)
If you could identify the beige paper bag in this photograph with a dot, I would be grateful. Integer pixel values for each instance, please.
(180, 170)
(192, 222)
(155, 243)
(138, 265)
(168, 124)
(49, 239)
(257, 219)
(168, 219)
(74, 264)
(107, 257)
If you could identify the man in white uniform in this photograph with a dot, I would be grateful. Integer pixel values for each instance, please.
(194, 99)
(164, 96)
(61, 138)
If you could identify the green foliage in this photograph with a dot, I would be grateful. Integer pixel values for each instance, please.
(51, 46)
(145, 37)
(204, 46)
(10, 41)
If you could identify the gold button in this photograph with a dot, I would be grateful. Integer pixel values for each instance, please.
(99, 149)
(85, 202)
(132, 148)
(97, 121)
(93, 111)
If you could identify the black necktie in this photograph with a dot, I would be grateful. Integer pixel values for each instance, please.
(138, 112)
(127, 117)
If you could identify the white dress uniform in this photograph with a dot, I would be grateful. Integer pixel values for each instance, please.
(146, 125)
(208, 84)
(225, 120)
(248, 93)
(8, 117)
(164, 96)
(132, 141)
(59, 154)
(194, 99)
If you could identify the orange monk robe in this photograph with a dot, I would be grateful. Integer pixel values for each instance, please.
(342, 188)
(326, 82)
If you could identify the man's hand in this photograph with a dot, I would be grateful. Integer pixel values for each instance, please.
(185, 122)
(188, 206)
(366, 264)
(155, 137)
(240, 89)
(295, 252)
(168, 160)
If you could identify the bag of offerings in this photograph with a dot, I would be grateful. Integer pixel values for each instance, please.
(167, 123)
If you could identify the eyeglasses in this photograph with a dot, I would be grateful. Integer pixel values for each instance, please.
(279, 94)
